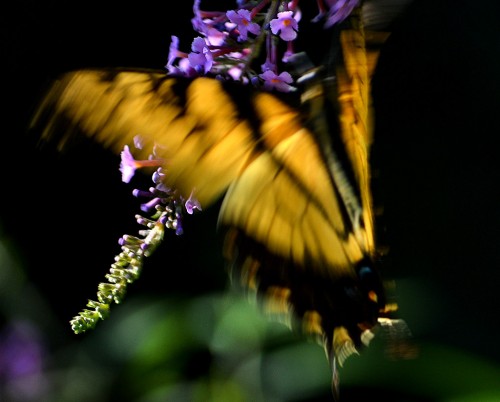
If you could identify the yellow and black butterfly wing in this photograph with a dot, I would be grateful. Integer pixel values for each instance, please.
(274, 169)
(199, 133)
(285, 199)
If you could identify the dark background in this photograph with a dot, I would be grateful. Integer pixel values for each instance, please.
(436, 94)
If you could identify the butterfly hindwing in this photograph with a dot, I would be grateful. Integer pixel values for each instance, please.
(284, 199)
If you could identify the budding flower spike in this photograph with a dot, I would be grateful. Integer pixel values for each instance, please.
(166, 208)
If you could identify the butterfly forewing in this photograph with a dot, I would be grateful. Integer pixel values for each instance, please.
(204, 144)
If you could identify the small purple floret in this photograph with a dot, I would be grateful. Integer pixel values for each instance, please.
(279, 82)
(285, 25)
(243, 20)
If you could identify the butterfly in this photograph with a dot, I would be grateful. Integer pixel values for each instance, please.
(295, 178)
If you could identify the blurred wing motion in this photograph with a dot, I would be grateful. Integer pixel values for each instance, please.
(296, 181)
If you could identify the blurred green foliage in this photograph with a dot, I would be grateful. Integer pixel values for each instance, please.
(214, 347)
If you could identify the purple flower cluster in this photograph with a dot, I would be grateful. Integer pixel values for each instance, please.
(230, 43)
(165, 207)
(160, 196)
